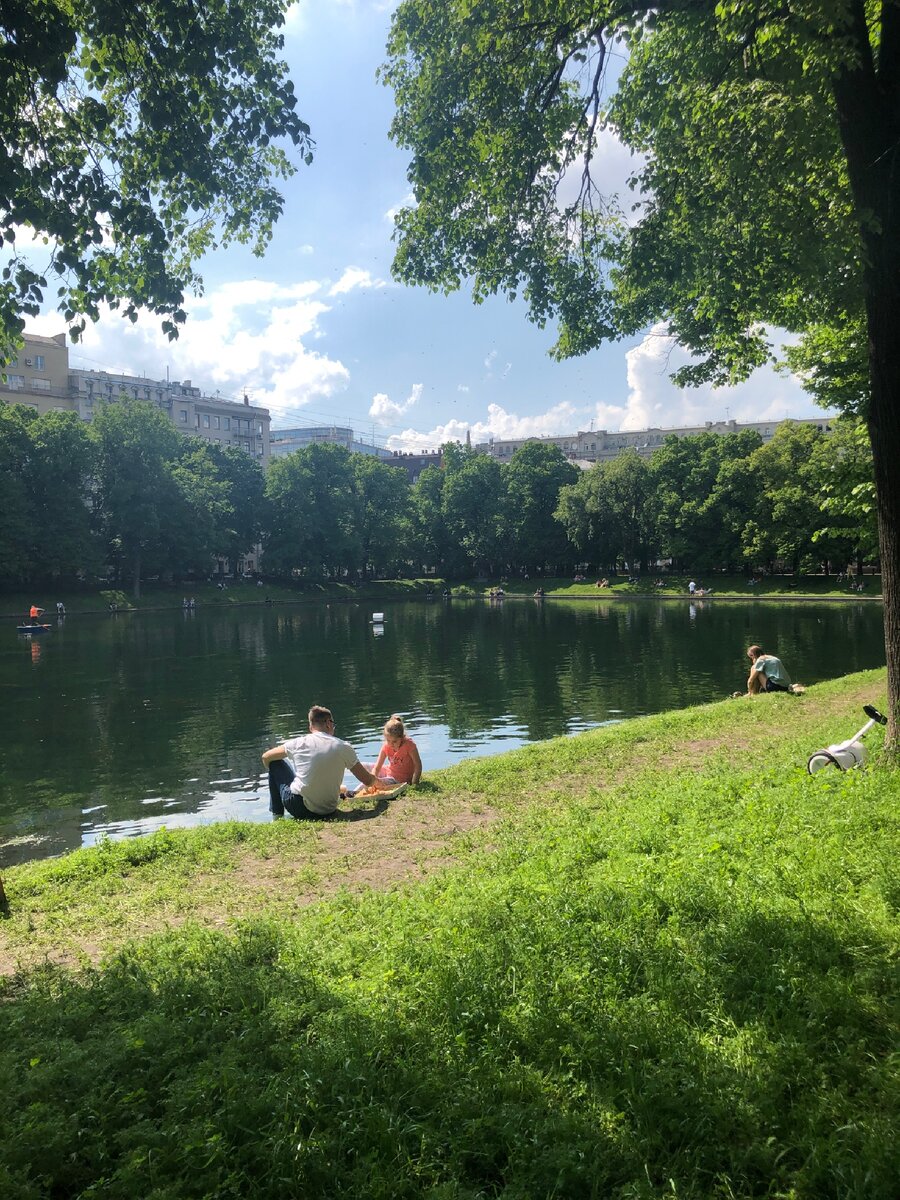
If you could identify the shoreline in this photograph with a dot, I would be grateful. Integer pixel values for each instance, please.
(605, 595)
(659, 950)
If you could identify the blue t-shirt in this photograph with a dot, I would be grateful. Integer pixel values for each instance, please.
(772, 668)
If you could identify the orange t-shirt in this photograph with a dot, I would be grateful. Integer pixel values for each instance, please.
(35, 612)
(398, 764)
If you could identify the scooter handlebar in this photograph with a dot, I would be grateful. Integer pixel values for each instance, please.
(874, 715)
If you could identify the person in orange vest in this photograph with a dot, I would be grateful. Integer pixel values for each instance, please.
(36, 614)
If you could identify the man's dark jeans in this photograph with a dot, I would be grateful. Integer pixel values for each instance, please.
(282, 799)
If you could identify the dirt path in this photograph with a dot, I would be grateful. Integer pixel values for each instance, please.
(383, 845)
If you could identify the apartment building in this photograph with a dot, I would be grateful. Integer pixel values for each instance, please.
(227, 422)
(593, 446)
(39, 377)
(42, 378)
(285, 441)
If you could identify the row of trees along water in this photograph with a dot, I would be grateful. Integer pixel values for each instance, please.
(129, 496)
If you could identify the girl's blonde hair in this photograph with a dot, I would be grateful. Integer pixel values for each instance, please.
(394, 727)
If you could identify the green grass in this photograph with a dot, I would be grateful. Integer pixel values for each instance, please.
(208, 595)
(239, 592)
(677, 585)
(669, 968)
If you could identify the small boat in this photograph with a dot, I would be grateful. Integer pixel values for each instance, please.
(33, 628)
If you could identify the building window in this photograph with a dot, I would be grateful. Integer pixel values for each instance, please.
(206, 420)
(15, 381)
(40, 385)
(260, 429)
(197, 421)
(228, 422)
(39, 362)
(184, 416)
(217, 424)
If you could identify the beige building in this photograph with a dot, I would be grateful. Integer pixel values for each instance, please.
(41, 378)
(586, 448)
(227, 422)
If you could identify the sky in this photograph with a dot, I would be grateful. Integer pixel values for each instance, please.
(317, 332)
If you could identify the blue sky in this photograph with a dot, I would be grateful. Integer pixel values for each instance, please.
(319, 333)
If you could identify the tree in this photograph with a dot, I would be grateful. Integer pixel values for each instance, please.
(843, 472)
(311, 498)
(534, 477)
(768, 193)
(135, 138)
(243, 526)
(701, 510)
(15, 510)
(135, 498)
(429, 535)
(610, 512)
(473, 504)
(201, 510)
(58, 478)
(382, 503)
(789, 514)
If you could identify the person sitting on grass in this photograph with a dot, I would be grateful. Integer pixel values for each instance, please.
(398, 761)
(767, 673)
(305, 772)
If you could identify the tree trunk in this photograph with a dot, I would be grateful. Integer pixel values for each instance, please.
(884, 432)
(866, 97)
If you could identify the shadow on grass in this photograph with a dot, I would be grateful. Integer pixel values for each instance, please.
(583, 1046)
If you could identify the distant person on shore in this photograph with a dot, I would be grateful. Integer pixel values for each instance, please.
(305, 772)
(398, 760)
(60, 609)
(767, 673)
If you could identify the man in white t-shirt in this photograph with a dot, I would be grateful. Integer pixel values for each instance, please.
(305, 772)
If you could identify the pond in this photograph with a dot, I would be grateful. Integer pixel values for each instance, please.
(117, 725)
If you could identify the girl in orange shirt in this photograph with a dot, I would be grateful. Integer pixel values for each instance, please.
(399, 758)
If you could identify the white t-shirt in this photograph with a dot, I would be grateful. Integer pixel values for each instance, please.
(319, 761)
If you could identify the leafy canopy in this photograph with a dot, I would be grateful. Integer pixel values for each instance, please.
(133, 139)
(743, 214)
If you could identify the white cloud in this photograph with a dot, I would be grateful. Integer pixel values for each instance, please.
(463, 387)
(242, 336)
(612, 165)
(306, 248)
(355, 277)
(655, 402)
(386, 410)
(408, 201)
(499, 424)
(490, 362)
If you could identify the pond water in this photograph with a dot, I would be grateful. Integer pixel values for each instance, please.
(118, 725)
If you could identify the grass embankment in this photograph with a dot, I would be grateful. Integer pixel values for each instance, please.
(242, 591)
(799, 587)
(666, 967)
(209, 595)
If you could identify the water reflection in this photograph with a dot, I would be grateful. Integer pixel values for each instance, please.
(161, 719)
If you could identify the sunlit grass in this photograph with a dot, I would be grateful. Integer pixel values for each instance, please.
(668, 969)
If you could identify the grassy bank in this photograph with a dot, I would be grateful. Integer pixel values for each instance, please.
(243, 592)
(657, 959)
(208, 595)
